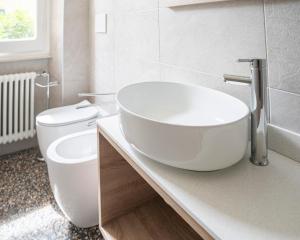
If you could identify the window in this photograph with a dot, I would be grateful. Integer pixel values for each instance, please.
(23, 26)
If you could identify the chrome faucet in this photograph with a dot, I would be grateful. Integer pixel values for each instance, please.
(258, 108)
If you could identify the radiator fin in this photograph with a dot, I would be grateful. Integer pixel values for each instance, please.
(16, 107)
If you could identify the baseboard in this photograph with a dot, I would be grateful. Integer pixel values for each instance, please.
(284, 142)
(18, 146)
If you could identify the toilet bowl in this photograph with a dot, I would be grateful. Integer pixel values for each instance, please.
(58, 122)
(72, 167)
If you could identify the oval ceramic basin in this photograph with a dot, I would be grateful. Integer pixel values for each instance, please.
(184, 126)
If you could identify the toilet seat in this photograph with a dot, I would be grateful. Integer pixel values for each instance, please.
(65, 116)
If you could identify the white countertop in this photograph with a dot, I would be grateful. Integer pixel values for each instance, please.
(241, 202)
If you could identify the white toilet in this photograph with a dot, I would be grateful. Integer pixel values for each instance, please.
(68, 142)
(72, 167)
(58, 122)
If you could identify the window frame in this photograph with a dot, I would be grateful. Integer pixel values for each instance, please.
(32, 47)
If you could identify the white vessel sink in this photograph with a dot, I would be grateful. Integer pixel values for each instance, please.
(183, 125)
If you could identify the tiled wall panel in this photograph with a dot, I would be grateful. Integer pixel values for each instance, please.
(199, 43)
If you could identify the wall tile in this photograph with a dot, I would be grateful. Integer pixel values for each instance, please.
(211, 37)
(103, 59)
(283, 38)
(176, 74)
(71, 90)
(285, 110)
(129, 70)
(100, 6)
(136, 47)
(134, 5)
(102, 49)
(284, 142)
(137, 35)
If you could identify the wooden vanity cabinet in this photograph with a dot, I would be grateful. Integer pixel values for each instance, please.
(132, 206)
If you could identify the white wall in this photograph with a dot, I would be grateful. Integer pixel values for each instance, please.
(200, 43)
(70, 50)
(56, 48)
(76, 50)
(283, 41)
(194, 44)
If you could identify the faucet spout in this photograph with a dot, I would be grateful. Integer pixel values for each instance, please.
(258, 107)
(237, 79)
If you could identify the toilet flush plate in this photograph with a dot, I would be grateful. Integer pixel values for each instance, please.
(101, 23)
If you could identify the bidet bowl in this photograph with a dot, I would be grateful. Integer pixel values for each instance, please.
(72, 167)
(184, 126)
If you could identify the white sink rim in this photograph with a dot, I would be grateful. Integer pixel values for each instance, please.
(183, 125)
(243, 106)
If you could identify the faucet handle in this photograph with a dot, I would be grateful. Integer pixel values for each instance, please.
(250, 60)
(253, 61)
(246, 60)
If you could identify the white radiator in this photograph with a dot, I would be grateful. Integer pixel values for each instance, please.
(16, 107)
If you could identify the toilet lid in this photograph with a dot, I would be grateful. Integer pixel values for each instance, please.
(66, 115)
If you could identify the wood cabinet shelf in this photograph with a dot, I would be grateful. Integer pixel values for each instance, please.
(151, 221)
(130, 208)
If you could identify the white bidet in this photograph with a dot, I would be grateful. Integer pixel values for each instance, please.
(72, 166)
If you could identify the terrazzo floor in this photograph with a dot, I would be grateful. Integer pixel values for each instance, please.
(27, 208)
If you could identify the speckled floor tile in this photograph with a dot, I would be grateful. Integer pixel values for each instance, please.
(27, 207)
